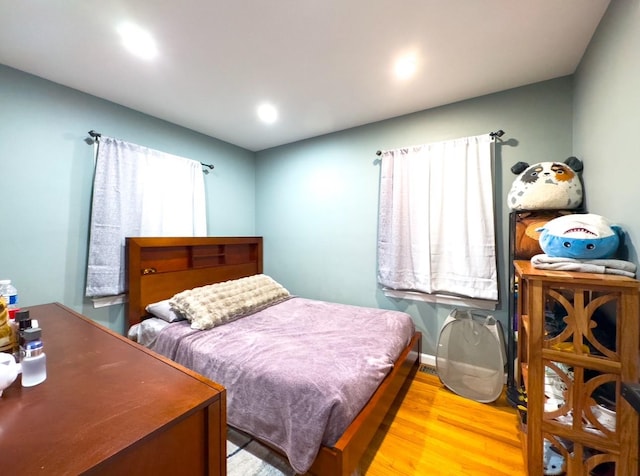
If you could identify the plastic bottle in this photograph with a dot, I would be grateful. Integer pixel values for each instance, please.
(34, 360)
(10, 293)
(7, 330)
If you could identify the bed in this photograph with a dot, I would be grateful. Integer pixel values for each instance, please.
(159, 268)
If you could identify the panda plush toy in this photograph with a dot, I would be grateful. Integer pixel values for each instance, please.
(546, 186)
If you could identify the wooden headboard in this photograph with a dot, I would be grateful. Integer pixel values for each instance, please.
(158, 268)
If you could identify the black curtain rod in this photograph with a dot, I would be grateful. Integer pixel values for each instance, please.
(497, 134)
(96, 136)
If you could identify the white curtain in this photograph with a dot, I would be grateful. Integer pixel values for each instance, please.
(138, 191)
(436, 228)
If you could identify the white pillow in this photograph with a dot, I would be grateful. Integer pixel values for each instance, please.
(146, 332)
(209, 306)
(163, 310)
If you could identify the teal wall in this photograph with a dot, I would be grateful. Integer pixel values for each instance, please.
(607, 119)
(317, 199)
(46, 177)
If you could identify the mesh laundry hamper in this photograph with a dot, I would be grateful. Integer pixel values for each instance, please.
(471, 356)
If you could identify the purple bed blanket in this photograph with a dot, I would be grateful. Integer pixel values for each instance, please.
(296, 373)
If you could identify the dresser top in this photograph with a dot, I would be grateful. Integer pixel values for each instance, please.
(102, 394)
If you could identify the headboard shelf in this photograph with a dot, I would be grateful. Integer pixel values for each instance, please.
(158, 268)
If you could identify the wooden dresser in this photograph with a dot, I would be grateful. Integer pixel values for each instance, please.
(577, 343)
(109, 406)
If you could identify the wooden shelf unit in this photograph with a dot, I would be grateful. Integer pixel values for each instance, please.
(578, 337)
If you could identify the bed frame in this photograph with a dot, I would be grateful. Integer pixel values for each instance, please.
(160, 267)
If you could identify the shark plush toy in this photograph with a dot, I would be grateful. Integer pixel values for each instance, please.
(580, 236)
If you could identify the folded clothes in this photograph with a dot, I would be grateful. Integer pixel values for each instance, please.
(602, 266)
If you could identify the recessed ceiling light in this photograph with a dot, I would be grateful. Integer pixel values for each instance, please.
(406, 67)
(138, 41)
(267, 113)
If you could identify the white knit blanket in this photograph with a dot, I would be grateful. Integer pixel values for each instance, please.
(209, 306)
(602, 266)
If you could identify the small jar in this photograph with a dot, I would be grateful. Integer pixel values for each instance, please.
(34, 360)
(23, 319)
(22, 323)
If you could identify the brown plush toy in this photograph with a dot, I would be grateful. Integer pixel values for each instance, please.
(7, 339)
(526, 237)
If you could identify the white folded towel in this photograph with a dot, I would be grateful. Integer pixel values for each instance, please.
(602, 266)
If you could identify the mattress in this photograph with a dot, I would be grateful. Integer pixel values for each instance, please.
(296, 373)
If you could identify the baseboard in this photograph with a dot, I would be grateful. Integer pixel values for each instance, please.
(428, 359)
(428, 365)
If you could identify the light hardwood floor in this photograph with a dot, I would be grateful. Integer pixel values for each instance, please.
(436, 432)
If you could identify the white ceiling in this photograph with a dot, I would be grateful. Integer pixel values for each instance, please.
(326, 64)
